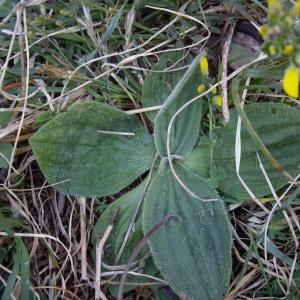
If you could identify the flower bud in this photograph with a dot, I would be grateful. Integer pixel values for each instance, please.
(201, 88)
(204, 65)
(296, 8)
(217, 100)
(288, 49)
(263, 30)
(272, 50)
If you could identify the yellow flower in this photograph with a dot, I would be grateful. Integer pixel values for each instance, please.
(274, 4)
(263, 30)
(201, 88)
(217, 100)
(291, 82)
(204, 65)
(288, 49)
(296, 7)
(271, 3)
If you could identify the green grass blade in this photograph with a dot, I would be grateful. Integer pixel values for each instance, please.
(11, 279)
(24, 269)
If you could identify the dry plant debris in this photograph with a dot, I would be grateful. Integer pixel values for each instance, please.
(60, 54)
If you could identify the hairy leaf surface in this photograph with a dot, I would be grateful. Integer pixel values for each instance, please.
(69, 148)
(199, 160)
(192, 249)
(278, 126)
(5, 117)
(185, 130)
(123, 208)
(5, 153)
(161, 80)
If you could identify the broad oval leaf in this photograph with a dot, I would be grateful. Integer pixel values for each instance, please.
(185, 130)
(85, 149)
(278, 126)
(123, 209)
(193, 249)
(160, 82)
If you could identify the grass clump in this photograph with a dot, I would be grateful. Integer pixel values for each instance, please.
(120, 152)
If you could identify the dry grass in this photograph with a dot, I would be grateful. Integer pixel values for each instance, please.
(54, 54)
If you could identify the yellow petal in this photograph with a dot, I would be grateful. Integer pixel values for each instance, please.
(204, 65)
(271, 3)
(201, 88)
(288, 49)
(274, 4)
(297, 6)
(263, 30)
(291, 82)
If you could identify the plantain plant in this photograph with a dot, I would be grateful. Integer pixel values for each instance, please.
(169, 181)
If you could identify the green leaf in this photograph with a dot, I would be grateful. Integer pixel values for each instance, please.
(124, 209)
(5, 117)
(240, 55)
(199, 160)
(8, 224)
(44, 117)
(278, 127)
(69, 148)
(165, 293)
(185, 130)
(272, 249)
(6, 8)
(25, 270)
(112, 26)
(11, 279)
(193, 249)
(5, 154)
(160, 82)
(21, 263)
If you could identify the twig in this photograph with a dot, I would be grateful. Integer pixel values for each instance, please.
(82, 204)
(131, 225)
(99, 251)
(225, 109)
(238, 151)
(264, 149)
(25, 87)
(138, 248)
(144, 109)
(116, 132)
(184, 106)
